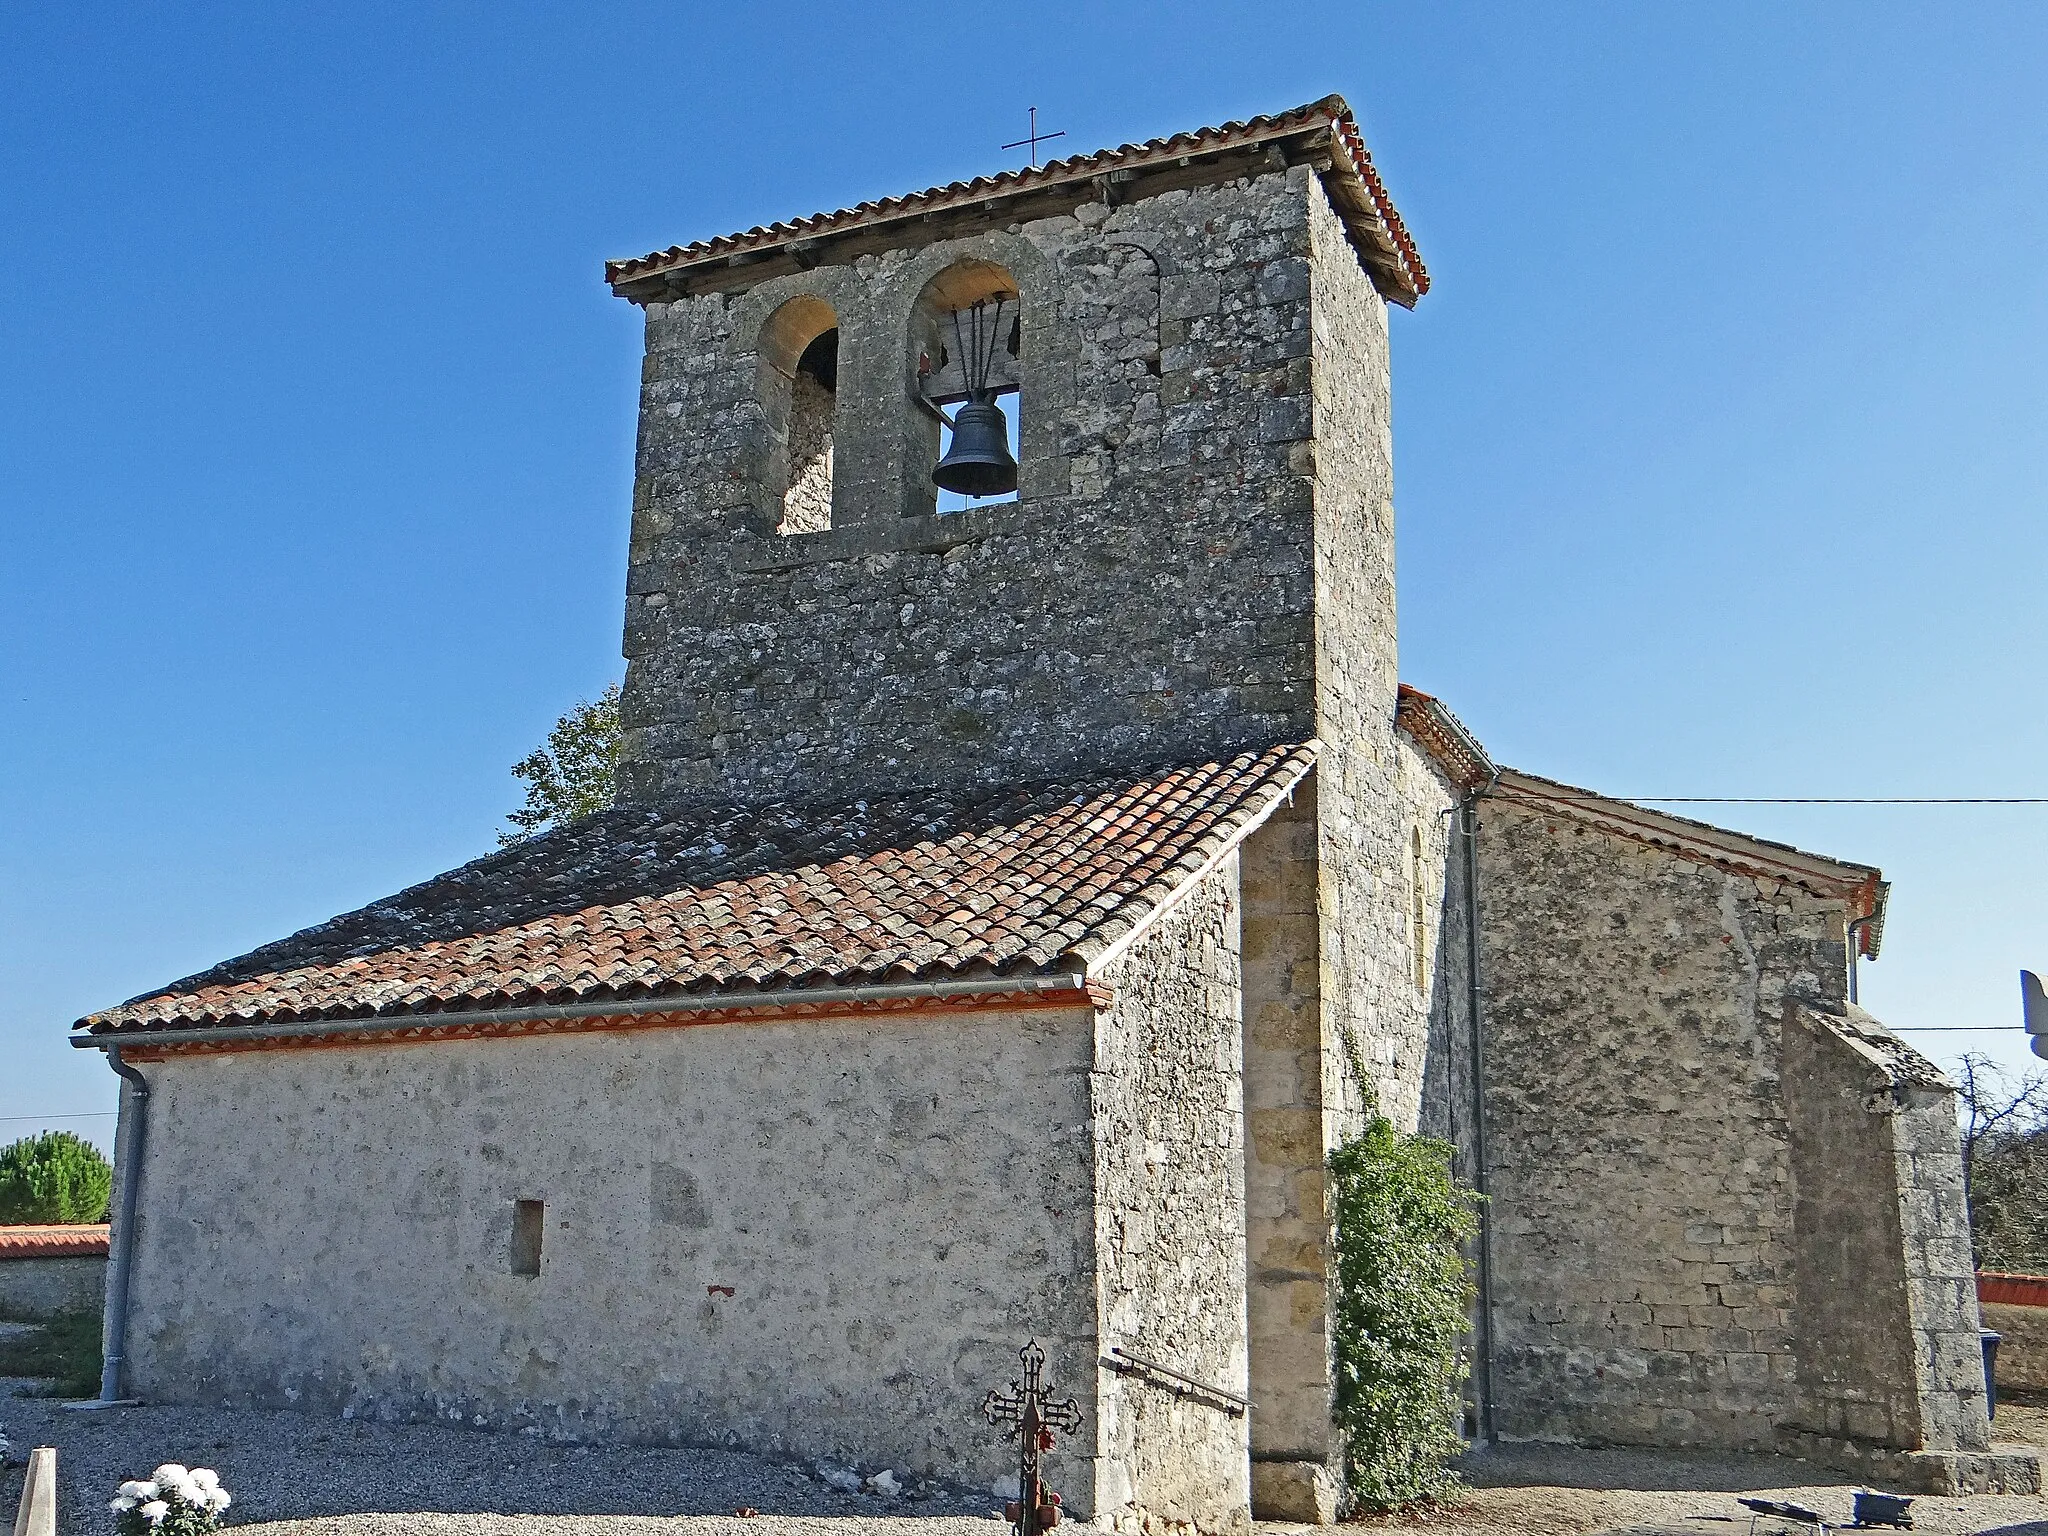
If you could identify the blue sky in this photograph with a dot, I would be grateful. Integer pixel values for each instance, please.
(1719, 442)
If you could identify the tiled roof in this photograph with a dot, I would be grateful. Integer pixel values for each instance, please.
(1383, 239)
(1443, 736)
(1861, 887)
(1440, 733)
(639, 902)
(80, 1242)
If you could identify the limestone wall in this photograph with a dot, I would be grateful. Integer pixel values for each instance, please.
(1169, 1150)
(1148, 598)
(35, 1287)
(1886, 1343)
(896, 1203)
(2023, 1344)
(1366, 798)
(1638, 1146)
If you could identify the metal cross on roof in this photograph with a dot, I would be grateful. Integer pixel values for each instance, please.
(1034, 138)
(1025, 1406)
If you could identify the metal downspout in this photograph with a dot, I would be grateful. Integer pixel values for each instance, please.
(122, 1259)
(1469, 816)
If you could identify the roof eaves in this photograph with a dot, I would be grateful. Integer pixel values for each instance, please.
(1444, 737)
(1385, 245)
(1861, 886)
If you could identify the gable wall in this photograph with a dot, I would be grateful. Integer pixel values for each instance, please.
(1148, 600)
(898, 1202)
(1639, 1155)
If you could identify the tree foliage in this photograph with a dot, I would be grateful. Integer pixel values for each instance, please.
(1403, 1290)
(573, 773)
(2005, 1161)
(56, 1179)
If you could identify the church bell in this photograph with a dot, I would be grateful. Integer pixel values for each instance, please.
(978, 461)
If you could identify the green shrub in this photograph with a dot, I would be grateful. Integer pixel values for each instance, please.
(53, 1178)
(1403, 1289)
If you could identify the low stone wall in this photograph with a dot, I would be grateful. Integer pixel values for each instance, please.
(2016, 1307)
(46, 1270)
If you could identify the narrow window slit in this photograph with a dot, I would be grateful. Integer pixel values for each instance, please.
(528, 1218)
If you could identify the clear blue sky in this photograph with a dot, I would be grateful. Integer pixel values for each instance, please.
(1720, 440)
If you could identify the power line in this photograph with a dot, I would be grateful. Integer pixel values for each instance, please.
(1835, 799)
(99, 1114)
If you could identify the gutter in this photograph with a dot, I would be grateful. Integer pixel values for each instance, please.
(788, 997)
(1468, 815)
(121, 1258)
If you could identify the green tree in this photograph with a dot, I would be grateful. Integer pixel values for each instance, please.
(54, 1178)
(1403, 1291)
(2005, 1163)
(574, 773)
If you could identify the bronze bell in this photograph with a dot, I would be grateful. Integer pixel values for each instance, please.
(978, 463)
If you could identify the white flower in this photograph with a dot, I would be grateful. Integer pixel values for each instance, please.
(137, 1491)
(218, 1500)
(121, 1506)
(154, 1511)
(205, 1477)
(170, 1472)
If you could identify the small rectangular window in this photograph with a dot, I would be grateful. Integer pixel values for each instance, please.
(527, 1216)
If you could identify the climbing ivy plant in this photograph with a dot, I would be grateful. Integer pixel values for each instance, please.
(1403, 1289)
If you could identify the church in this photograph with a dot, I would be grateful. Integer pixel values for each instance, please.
(1027, 868)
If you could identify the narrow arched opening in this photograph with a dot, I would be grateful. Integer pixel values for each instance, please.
(968, 335)
(799, 354)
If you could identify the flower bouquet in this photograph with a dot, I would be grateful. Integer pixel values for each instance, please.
(175, 1501)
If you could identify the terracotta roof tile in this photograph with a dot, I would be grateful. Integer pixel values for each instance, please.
(72, 1242)
(639, 901)
(1384, 243)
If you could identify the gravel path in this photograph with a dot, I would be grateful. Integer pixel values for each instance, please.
(1565, 1491)
(324, 1477)
(299, 1476)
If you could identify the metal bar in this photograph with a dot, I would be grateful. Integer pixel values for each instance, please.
(692, 1003)
(1127, 1361)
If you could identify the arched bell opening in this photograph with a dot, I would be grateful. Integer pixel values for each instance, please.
(799, 354)
(969, 333)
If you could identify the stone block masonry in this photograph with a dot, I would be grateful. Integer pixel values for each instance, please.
(1149, 598)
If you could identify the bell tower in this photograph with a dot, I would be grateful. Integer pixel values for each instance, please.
(1187, 340)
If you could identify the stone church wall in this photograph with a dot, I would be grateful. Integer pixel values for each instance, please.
(1148, 598)
(1888, 1353)
(1638, 1145)
(1169, 1150)
(895, 1202)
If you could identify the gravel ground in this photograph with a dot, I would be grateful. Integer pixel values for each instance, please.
(1562, 1491)
(324, 1477)
(300, 1476)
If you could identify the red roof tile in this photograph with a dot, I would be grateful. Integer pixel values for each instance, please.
(86, 1242)
(2012, 1290)
(640, 902)
(1383, 239)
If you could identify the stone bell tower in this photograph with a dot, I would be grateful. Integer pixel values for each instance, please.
(1191, 335)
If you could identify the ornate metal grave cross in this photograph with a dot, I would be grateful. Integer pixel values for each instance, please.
(1036, 1508)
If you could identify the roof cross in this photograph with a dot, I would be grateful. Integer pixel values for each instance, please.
(1034, 138)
